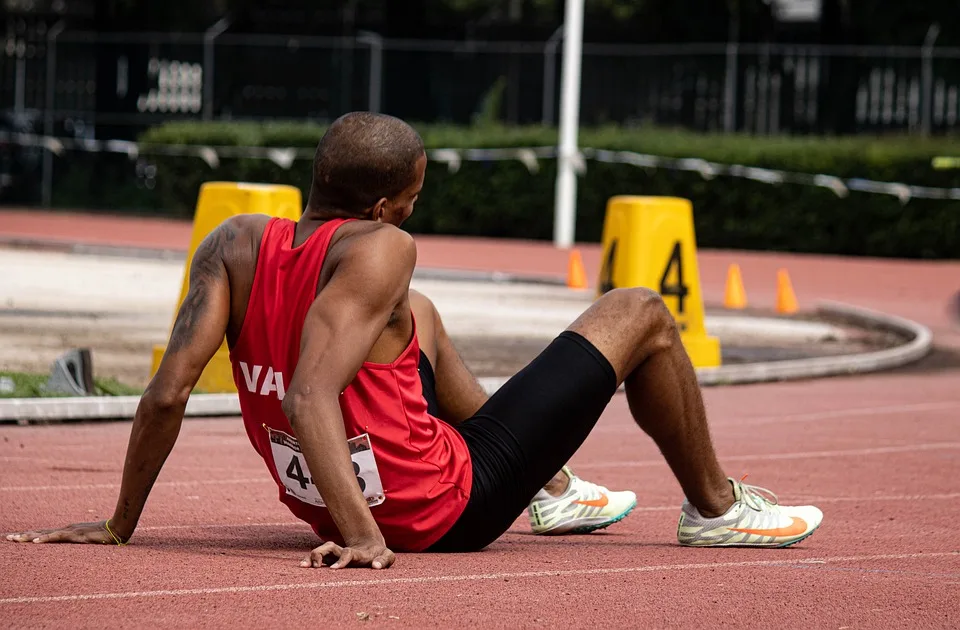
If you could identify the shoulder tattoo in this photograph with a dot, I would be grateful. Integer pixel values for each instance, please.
(205, 269)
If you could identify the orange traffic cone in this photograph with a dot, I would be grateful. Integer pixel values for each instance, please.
(735, 296)
(786, 298)
(576, 276)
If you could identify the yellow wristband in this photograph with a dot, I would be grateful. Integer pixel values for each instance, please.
(112, 535)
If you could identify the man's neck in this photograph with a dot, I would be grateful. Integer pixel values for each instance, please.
(314, 213)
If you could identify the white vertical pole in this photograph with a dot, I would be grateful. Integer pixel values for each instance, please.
(565, 197)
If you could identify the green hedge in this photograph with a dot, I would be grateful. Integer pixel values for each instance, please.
(503, 199)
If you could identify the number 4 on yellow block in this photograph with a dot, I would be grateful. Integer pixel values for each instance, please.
(650, 242)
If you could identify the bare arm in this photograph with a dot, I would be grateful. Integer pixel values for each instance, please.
(346, 320)
(197, 334)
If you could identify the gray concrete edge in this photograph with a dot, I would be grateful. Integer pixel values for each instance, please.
(919, 344)
(69, 247)
(149, 253)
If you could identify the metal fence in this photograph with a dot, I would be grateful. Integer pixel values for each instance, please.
(83, 84)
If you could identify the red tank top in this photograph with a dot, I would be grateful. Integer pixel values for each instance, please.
(414, 469)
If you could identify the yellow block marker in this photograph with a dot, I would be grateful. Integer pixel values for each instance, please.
(218, 201)
(649, 242)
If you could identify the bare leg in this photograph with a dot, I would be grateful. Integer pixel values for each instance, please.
(634, 330)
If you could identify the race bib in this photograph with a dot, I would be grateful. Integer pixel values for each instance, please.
(293, 471)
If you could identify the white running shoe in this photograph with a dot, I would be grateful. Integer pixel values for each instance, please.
(752, 521)
(582, 508)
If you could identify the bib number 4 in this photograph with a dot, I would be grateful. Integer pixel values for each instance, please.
(295, 475)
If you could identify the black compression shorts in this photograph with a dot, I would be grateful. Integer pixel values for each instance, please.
(525, 434)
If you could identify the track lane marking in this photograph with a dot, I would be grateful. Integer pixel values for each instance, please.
(464, 578)
(881, 450)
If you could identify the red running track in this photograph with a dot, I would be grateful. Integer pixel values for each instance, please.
(880, 454)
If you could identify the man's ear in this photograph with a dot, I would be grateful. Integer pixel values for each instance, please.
(378, 210)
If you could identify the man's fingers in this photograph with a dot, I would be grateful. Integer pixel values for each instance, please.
(79, 533)
(43, 536)
(384, 560)
(315, 559)
(22, 537)
(346, 555)
(28, 536)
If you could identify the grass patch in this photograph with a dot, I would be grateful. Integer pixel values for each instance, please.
(113, 387)
(33, 386)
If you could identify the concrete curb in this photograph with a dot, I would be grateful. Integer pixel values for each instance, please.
(464, 275)
(146, 253)
(919, 343)
(69, 247)
(40, 410)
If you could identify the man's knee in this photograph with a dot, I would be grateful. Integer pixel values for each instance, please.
(639, 300)
(429, 325)
(423, 307)
(628, 326)
(642, 312)
(419, 299)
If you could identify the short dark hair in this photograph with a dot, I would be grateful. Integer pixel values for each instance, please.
(362, 158)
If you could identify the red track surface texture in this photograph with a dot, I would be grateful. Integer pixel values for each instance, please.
(879, 454)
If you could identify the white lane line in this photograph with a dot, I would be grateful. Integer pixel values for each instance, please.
(585, 465)
(835, 414)
(157, 528)
(881, 450)
(849, 413)
(116, 486)
(69, 466)
(185, 442)
(887, 497)
(463, 578)
(653, 508)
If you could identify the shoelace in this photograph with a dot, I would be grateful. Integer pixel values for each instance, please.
(754, 495)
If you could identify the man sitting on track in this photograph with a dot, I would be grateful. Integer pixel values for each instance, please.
(325, 340)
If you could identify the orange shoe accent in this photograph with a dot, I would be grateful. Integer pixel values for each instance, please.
(735, 296)
(797, 527)
(576, 276)
(601, 502)
(786, 298)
